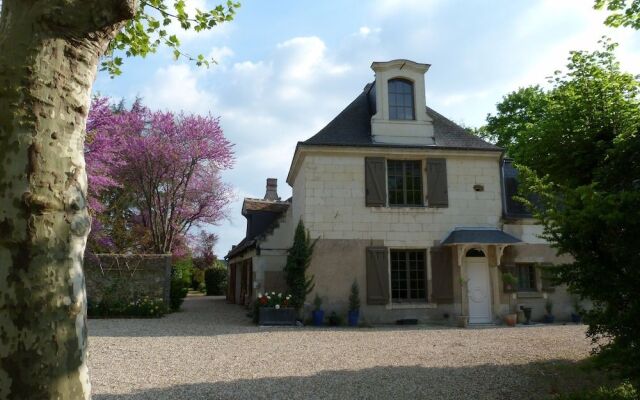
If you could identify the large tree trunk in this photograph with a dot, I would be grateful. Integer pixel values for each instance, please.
(49, 52)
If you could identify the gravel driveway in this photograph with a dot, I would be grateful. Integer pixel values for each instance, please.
(211, 351)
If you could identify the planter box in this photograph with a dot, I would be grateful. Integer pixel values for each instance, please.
(281, 316)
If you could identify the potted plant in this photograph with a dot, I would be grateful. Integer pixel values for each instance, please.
(354, 304)
(510, 285)
(273, 309)
(334, 319)
(462, 319)
(510, 282)
(548, 317)
(318, 312)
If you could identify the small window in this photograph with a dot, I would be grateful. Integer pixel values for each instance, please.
(401, 105)
(408, 275)
(526, 277)
(475, 253)
(404, 180)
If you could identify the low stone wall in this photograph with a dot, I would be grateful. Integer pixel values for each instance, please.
(127, 277)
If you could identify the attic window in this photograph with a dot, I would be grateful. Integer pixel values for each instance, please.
(401, 105)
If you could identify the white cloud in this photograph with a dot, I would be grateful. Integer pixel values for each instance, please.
(365, 31)
(461, 98)
(221, 54)
(392, 8)
(305, 58)
(176, 88)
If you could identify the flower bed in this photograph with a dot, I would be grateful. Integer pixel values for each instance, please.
(273, 309)
(140, 308)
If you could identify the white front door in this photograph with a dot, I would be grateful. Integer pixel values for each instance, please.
(479, 290)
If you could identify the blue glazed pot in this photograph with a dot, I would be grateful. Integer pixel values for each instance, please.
(548, 319)
(576, 318)
(318, 317)
(353, 317)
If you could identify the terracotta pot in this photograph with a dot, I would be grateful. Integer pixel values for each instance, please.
(511, 319)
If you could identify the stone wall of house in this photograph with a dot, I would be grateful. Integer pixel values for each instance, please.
(121, 277)
(334, 195)
(338, 263)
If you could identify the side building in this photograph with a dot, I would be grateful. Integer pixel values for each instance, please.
(256, 263)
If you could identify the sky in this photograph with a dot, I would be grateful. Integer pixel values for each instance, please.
(286, 68)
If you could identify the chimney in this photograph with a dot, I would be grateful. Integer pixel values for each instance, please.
(272, 190)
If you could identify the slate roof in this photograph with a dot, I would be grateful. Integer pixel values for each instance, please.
(479, 235)
(352, 127)
(511, 208)
(240, 247)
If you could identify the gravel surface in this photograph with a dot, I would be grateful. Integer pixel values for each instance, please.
(211, 351)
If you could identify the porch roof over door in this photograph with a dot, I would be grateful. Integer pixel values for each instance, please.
(479, 235)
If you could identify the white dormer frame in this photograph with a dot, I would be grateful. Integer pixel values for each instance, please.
(418, 131)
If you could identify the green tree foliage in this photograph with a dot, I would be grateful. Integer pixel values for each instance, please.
(578, 148)
(181, 273)
(590, 108)
(298, 261)
(216, 279)
(151, 28)
(624, 12)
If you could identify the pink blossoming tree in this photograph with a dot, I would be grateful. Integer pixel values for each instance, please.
(153, 175)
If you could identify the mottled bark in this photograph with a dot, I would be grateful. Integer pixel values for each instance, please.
(49, 52)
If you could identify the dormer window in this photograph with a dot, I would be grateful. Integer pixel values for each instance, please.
(401, 103)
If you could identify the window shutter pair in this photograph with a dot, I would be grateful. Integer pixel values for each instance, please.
(377, 271)
(437, 192)
(376, 189)
(441, 275)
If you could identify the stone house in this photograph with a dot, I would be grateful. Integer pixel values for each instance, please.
(411, 206)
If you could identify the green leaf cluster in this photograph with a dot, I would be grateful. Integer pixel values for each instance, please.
(577, 146)
(149, 30)
(298, 261)
(624, 12)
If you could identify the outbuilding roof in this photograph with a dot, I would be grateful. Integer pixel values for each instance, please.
(264, 205)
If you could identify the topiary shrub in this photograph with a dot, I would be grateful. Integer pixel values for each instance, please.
(299, 284)
(215, 280)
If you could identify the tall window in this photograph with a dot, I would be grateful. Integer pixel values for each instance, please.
(526, 277)
(404, 180)
(401, 99)
(408, 275)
